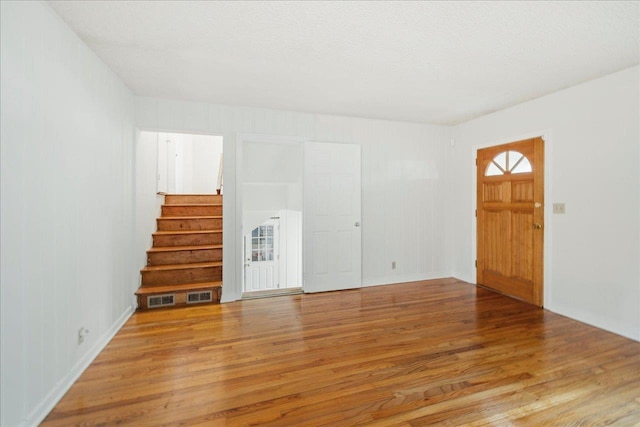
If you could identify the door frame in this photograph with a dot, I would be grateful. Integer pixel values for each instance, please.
(546, 136)
(235, 288)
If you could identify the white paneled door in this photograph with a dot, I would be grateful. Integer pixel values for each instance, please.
(332, 231)
(262, 255)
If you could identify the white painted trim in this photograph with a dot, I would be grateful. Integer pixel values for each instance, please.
(234, 289)
(229, 216)
(54, 396)
(172, 130)
(547, 137)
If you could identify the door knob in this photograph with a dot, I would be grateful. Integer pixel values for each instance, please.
(537, 226)
(357, 224)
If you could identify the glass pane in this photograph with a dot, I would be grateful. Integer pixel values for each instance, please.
(492, 170)
(270, 230)
(512, 159)
(523, 167)
(254, 233)
(501, 161)
(254, 256)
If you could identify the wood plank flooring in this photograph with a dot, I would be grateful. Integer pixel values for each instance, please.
(439, 352)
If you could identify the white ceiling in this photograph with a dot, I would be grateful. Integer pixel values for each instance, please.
(433, 62)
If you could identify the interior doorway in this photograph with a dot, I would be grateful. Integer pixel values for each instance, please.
(271, 218)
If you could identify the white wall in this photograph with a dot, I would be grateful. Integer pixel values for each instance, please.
(67, 130)
(148, 202)
(592, 253)
(404, 215)
(205, 151)
(291, 248)
(272, 181)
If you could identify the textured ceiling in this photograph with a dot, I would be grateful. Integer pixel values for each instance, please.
(433, 62)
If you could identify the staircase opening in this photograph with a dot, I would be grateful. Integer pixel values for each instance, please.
(178, 182)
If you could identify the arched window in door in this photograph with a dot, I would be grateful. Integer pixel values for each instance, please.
(508, 162)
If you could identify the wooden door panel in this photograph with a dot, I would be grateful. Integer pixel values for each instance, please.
(493, 192)
(495, 241)
(510, 218)
(522, 191)
(522, 253)
(510, 286)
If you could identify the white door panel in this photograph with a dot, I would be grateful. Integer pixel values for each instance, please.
(332, 209)
(262, 257)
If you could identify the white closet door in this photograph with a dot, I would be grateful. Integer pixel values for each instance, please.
(331, 216)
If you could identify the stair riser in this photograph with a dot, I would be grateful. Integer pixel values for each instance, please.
(193, 210)
(183, 199)
(187, 239)
(169, 224)
(186, 275)
(181, 298)
(184, 257)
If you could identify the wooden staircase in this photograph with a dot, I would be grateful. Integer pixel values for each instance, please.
(184, 266)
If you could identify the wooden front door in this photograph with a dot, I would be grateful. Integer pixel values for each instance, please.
(510, 219)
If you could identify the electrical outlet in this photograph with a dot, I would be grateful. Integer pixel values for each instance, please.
(82, 333)
(393, 265)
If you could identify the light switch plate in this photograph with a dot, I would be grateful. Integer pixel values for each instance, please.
(558, 208)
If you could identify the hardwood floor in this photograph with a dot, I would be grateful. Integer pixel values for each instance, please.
(424, 353)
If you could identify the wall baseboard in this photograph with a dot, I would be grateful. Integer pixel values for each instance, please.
(583, 316)
(403, 278)
(58, 392)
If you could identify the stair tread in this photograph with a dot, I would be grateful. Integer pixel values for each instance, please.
(181, 266)
(192, 204)
(146, 290)
(169, 232)
(183, 248)
(192, 199)
(192, 217)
